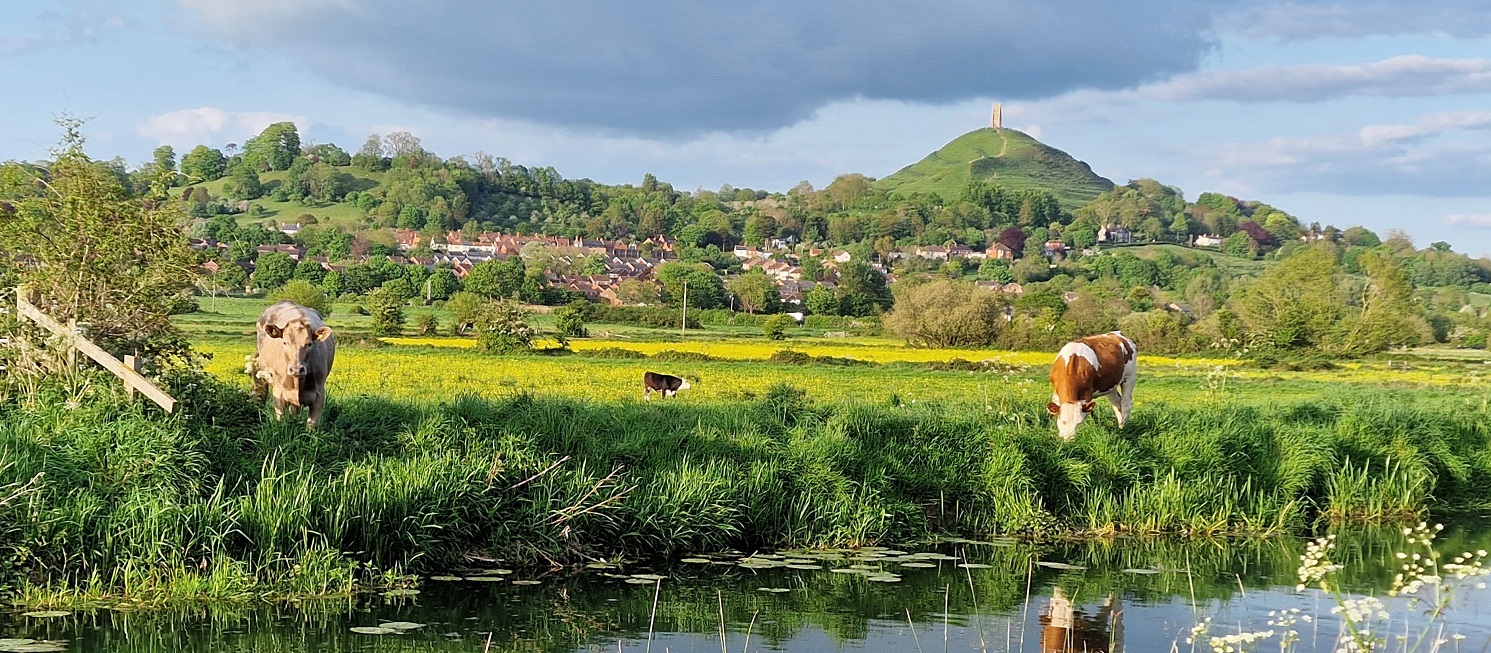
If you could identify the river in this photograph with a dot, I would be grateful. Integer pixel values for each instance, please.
(958, 595)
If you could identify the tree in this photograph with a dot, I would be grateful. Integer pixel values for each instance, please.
(993, 269)
(705, 290)
(426, 324)
(442, 284)
(94, 251)
(370, 155)
(496, 279)
(569, 321)
(230, 276)
(1360, 237)
(333, 284)
(203, 164)
(243, 184)
(775, 327)
(502, 328)
(275, 148)
(862, 289)
(821, 301)
(387, 311)
(812, 269)
(304, 293)
(754, 292)
(1387, 316)
(638, 292)
(310, 271)
(272, 270)
(164, 160)
(1013, 238)
(946, 313)
(464, 308)
(1295, 304)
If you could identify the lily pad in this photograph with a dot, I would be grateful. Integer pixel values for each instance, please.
(401, 592)
(864, 567)
(849, 570)
(974, 565)
(648, 577)
(697, 561)
(1059, 565)
(46, 614)
(374, 630)
(918, 565)
(36, 647)
(401, 625)
(640, 581)
(603, 565)
(445, 579)
(805, 566)
(526, 582)
(484, 579)
(883, 578)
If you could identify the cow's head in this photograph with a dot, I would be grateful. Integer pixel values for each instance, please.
(1069, 415)
(297, 338)
(685, 385)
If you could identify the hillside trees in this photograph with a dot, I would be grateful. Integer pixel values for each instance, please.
(705, 289)
(275, 148)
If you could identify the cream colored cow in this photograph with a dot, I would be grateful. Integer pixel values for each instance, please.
(292, 359)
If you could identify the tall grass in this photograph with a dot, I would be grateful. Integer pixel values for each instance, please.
(218, 503)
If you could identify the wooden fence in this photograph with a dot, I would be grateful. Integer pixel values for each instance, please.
(128, 370)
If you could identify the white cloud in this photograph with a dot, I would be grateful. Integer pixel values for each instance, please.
(207, 125)
(1439, 154)
(1480, 220)
(1306, 20)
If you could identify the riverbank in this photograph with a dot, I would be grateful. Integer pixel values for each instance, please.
(217, 504)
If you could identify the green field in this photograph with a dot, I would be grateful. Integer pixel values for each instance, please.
(432, 453)
(1013, 159)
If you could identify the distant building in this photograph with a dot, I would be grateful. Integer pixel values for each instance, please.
(1209, 240)
(1115, 235)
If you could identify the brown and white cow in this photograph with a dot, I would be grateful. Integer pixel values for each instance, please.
(293, 358)
(666, 384)
(1096, 366)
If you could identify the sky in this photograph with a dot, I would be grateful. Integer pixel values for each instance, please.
(1345, 113)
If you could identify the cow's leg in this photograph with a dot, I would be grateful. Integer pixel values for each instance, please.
(647, 394)
(1123, 403)
(314, 416)
(279, 408)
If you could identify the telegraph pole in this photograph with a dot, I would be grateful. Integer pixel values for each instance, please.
(683, 328)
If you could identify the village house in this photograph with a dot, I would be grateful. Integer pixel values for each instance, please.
(1208, 240)
(999, 252)
(932, 253)
(1053, 248)
(1115, 235)
(294, 251)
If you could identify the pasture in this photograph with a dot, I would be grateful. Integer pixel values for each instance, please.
(433, 452)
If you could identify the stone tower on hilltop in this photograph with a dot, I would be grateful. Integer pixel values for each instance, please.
(994, 117)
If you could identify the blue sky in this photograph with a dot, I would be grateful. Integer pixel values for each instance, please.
(1372, 113)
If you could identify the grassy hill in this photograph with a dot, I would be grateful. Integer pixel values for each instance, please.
(1013, 158)
(338, 214)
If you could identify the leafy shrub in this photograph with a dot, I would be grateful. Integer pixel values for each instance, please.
(502, 328)
(306, 294)
(616, 353)
(426, 324)
(387, 310)
(775, 326)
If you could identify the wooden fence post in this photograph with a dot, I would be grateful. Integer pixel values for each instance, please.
(134, 365)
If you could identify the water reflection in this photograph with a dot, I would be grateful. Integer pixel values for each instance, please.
(994, 596)
(1069, 629)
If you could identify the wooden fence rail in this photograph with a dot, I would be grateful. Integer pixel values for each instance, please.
(128, 370)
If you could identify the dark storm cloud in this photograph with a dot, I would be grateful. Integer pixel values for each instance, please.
(681, 67)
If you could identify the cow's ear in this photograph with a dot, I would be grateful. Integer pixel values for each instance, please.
(323, 333)
(1052, 408)
(1087, 406)
(273, 331)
